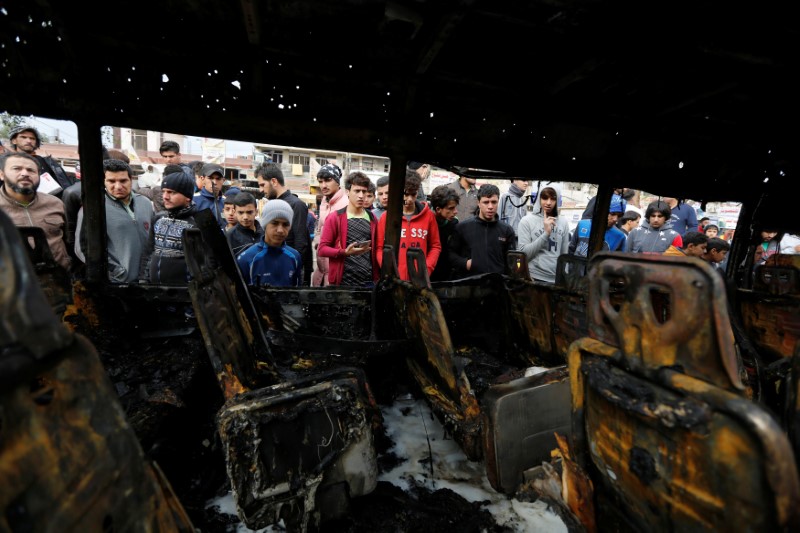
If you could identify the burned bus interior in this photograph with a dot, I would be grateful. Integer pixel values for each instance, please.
(660, 394)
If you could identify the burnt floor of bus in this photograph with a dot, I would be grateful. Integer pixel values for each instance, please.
(170, 397)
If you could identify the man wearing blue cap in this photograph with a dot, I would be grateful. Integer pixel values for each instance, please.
(614, 239)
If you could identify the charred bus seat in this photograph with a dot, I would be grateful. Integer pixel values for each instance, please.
(771, 309)
(68, 458)
(297, 435)
(53, 278)
(661, 423)
(770, 317)
(483, 395)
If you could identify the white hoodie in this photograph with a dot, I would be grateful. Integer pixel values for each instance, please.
(540, 249)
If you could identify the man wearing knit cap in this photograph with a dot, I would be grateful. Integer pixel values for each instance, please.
(167, 265)
(334, 198)
(272, 262)
(273, 185)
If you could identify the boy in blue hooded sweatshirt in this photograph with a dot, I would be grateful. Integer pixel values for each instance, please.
(272, 262)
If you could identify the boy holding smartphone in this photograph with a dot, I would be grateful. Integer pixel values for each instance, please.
(347, 238)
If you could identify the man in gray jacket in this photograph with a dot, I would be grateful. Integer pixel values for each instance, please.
(128, 220)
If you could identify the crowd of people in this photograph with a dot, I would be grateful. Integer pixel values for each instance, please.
(462, 230)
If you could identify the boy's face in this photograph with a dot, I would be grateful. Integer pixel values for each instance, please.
(328, 186)
(229, 212)
(118, 184)
(246, 215)
(213, 183)
(369, 198)
(548, 203)
(357, 195)
(632, 224)
(276, 231)
(488, 207)
(656, 220)
(715, 256)
(711, 233)
(171, 157)
(449, 211)
(409, 197)
(612, 218)
(383, 195)
(695, 250)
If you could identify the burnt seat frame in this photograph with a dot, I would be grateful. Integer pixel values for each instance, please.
(661, 423)
(68, 457)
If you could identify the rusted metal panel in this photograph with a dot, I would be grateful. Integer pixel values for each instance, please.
(70, 462)
(514, 440)
(771, 322)
(664, 311)
(668, 438)
(299, 448)
(433, 366)
(771, 310)
(674, 460)
(285, 443)
(68, 459)
(532, 310)
(234, 339)
(333, 312)
(54, 280)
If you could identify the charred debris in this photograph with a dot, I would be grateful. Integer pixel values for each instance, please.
(637, 392)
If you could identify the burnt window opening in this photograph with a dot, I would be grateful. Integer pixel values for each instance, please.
(661, 303)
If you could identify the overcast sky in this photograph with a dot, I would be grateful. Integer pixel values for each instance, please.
(68, 132)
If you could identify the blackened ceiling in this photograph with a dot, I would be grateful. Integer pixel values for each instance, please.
(696, 93)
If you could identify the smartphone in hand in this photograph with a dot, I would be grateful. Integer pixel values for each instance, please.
(363, 244)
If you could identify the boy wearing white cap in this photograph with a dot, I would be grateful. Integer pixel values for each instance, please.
(272, 262)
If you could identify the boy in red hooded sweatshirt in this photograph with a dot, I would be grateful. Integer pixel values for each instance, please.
(418, 229)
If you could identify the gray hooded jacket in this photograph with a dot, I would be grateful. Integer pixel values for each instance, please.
(540, 248)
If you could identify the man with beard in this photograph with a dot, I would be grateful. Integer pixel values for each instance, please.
(19, 173)
(167, 265)
(273, 185)
(333, 199)
(128, 219)
(26, 139)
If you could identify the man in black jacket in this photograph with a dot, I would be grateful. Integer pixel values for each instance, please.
(272, 184)
(480, 244)
(27, 139)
